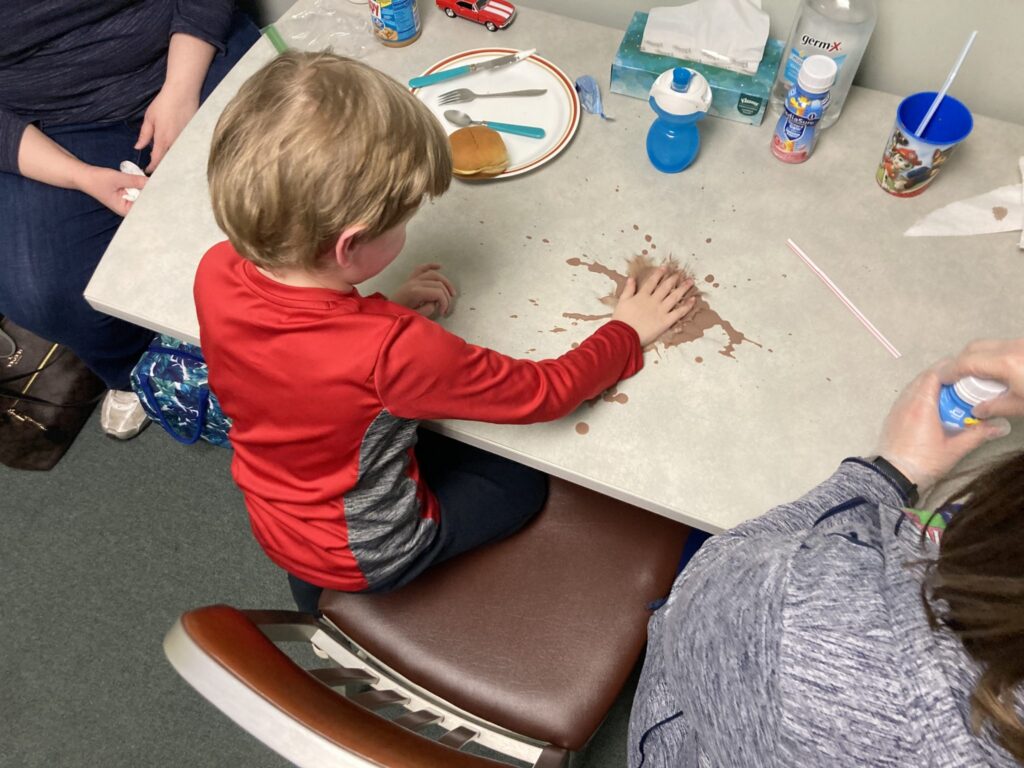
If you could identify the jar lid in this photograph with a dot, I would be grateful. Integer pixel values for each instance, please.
(817, 74)
(973, 391)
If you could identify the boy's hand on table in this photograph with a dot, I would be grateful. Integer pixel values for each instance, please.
(427, 291)
(656, 305)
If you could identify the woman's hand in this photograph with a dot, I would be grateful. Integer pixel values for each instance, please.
(166, 117)
(999, 359)
(188, 59)
(914, 440)
(426, 291)
(107, 186)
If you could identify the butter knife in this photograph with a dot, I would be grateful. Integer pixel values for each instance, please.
(468, 69)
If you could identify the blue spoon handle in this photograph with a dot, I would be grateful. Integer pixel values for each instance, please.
(440, 77)
(518, 130)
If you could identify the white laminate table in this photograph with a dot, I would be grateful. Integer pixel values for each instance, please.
(705, 438)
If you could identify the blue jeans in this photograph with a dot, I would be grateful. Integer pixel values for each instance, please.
(483, 498)
(53, 238)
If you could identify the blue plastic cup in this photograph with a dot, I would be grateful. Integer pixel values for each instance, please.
(911, 162)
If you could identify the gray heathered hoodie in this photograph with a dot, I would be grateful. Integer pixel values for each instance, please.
(799, 639)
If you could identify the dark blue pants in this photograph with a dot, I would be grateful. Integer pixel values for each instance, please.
(483, 498)
(51, 239)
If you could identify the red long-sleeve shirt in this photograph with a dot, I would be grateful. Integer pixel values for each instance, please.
(324, 389)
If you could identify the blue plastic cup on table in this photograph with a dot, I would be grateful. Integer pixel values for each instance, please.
(911, 162)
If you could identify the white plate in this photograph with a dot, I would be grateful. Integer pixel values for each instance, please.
(557, 111)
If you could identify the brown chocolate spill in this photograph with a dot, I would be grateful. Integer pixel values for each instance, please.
(654, 247)
(698, 359)
(582, 428)
(514, 317)
(614, 396)
(636, 227)
(578, 316)
(708, 240)
(545, 240)
(714, 285)
(644, 251)
(556, 329)
(700, 319)
(648, 238)
(999, 212)
(529, 237)
(709, 278)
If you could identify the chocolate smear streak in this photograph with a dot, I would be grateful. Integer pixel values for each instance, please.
(692, 327)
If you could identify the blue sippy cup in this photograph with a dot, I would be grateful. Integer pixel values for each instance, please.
(679, 97)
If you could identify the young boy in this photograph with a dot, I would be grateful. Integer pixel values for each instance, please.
(315, 168)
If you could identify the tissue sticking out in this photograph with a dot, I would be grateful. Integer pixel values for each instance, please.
(692, 327)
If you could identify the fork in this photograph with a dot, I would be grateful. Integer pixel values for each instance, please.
(461, 95)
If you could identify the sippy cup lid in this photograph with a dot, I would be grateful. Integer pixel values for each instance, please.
(681, 91)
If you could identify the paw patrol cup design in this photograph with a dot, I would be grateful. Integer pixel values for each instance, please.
(910, 162)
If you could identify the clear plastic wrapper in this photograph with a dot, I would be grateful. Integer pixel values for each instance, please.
(340, 26)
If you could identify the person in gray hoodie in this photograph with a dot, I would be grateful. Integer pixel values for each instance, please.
(847, 628)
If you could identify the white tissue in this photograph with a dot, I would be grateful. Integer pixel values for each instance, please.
(131, 194)
(1000, 210)
(724, 33)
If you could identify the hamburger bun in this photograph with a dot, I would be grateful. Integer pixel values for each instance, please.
(478, 151)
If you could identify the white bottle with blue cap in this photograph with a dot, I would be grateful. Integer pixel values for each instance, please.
(957, 401)
(680, 97)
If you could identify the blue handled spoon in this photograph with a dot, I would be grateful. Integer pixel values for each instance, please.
(459, 117)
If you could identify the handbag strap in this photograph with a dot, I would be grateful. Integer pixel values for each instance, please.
(16, 395)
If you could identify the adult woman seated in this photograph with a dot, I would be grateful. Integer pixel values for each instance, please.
(85, 85)
(847, 628)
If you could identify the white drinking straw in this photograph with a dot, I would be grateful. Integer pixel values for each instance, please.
(842, 297)
(945, 86)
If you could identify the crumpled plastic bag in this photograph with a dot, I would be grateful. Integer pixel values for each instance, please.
(338, 25)
(590, 96)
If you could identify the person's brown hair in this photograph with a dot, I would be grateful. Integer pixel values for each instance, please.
(975, 588)
(314, 143)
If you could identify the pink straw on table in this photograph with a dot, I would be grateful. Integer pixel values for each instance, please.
(842, 297)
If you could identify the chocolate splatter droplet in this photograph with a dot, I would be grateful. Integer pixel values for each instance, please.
(529, 237)
(698, 359)
(999, 212)
(556, 329)
(582, 428)
(709, 278)
(648, 238)
(714, 285)
(644, 251)
(514, 317)
(575, 344)
(636, 227)
(545, 240)
(708, 240)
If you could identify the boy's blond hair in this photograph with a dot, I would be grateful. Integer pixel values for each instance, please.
(314, 143)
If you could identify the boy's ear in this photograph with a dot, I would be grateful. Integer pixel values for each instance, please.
(348, 243)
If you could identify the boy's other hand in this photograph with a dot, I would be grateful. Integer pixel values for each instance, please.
(427, 291)
(656, 305)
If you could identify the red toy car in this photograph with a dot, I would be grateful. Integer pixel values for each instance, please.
(493, 14)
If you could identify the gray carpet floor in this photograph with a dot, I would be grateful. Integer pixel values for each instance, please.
(98, 557)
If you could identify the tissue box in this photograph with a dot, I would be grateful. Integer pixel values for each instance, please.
(734, 96)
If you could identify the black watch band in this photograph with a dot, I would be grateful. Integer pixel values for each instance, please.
(907, 488)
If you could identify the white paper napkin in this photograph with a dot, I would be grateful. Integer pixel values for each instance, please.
(724, 33)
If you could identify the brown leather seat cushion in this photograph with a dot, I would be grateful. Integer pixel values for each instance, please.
(536, 633)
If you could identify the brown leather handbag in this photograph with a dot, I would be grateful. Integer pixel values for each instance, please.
(46, 396)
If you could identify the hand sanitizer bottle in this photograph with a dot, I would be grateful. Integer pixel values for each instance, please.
(957, 401)
(679, 97)
(839, 29)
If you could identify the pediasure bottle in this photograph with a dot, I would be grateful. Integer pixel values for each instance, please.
(957, 401)
(796, 133)
(395, 22)
(839, 29)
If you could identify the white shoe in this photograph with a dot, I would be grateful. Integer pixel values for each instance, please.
(122, 415)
